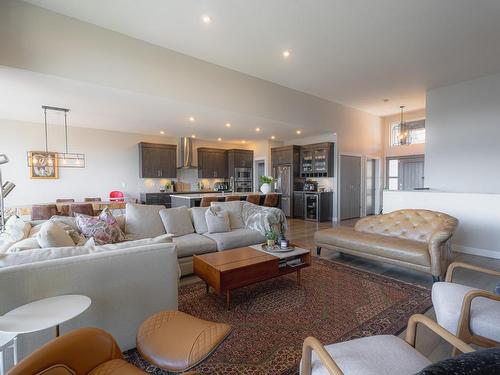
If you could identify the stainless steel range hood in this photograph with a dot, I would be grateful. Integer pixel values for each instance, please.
(185, 154)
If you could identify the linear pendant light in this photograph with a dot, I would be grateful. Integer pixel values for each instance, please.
(403, 129)
(65, 159)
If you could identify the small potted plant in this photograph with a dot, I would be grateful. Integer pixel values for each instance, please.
(266, 182)
(271, 237)
(168, 186)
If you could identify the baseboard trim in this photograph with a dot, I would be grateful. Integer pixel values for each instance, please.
(474, 251)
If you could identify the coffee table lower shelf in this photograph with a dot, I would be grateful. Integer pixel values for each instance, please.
(227, 270)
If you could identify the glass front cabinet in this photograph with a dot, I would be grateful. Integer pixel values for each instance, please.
(317, 160)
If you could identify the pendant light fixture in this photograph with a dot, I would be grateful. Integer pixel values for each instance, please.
(403, 129)
(65, 159)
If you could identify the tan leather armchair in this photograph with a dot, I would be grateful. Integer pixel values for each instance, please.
(416, 239)
(84, 351)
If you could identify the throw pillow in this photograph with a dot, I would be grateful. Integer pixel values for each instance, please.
(234, 210)
(17, 228)
(143, 221)
(199, 220)
(103, 228)
(26, 244)
(177, 221)
(53, 235)
(480, 362)
(217, 220)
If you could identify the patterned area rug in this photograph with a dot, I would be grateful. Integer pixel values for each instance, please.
(270, 320)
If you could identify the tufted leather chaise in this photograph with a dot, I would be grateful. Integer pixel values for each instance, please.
(416, 239)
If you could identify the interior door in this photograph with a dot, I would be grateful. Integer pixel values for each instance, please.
(411, 172)
(350, 187)
(370, 187)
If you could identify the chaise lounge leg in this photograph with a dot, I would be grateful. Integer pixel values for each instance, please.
(318, 250)
(435, 279)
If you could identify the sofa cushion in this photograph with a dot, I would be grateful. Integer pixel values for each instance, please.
(177, 221)
(447, 300)
(53, 235)
(26, 244)
(15, 230)
(217, 220)
(375, 244)
(164, 238)
(193, 243)
(234, 209)
(199, 220)
(383, 354)
(143, 221)
(236, 238)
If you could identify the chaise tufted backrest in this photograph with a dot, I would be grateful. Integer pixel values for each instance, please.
(416, 225)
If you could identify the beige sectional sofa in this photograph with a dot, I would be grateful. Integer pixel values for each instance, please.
(416, 239)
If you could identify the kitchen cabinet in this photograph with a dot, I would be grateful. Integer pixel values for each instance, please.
(239, 159)
(298, 204)
(212, 163)
(157, 160)
(282, 155)
(156, 199)
(317, 160)
(318, 206)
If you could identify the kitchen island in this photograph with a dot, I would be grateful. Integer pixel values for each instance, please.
(194, 200)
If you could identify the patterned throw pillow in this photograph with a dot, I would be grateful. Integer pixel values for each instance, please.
(103, 228)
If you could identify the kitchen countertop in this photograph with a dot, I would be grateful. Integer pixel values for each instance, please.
(199, 196)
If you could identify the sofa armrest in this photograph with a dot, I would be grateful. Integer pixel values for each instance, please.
(439, 249)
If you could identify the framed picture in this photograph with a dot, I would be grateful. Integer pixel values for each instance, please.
(43, 165)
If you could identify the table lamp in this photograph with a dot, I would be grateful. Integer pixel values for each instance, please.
(5, 189)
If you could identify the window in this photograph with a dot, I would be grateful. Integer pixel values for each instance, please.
(405, 172)
(416, 132)
(392, 174)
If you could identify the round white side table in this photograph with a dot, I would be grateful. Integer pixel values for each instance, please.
(7, 341)
(40, 315)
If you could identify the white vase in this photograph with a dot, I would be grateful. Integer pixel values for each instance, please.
(265, 188)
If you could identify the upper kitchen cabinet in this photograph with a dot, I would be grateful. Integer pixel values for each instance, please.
(285, 155)
(212, 163)
(239, 159)
(157, 160)
(317, 160)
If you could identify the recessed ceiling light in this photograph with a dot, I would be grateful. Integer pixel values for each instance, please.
(257, 129)
(193, 135)
(286, 53)
(192, 119)
(162, 132)
(243, 141)
(219, 139)
(385, 100)
(298, 132)
(228, 125)
(206, 19)
(273, 137)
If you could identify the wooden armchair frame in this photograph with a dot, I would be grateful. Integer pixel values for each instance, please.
(464, 331)
(312, 343)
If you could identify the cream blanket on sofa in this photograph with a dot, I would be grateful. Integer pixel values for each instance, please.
(263, 219)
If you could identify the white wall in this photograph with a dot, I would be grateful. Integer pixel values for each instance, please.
(479, 228)
(463, 136)
(112, 162)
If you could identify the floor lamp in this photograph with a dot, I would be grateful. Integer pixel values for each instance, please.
(5, 189)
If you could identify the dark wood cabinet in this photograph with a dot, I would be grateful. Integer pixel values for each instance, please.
(283, 155)
(237, 158)
(157, 160)
(156, 199)
(317, 160)
(298, 204)
(212, 163)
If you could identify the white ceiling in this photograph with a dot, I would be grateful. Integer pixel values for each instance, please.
(354, 52)
(93, 106)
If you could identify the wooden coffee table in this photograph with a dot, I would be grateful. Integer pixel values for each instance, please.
(231, 269)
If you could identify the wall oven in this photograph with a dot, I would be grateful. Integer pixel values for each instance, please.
(243, 174)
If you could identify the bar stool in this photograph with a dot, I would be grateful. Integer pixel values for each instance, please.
(81, 208)
(232, 198)
(43, 211)
(271, 200)
(206, 201)
(254, 198)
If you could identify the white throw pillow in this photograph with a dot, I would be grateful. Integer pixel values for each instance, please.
(234, 210)
(143, 221)
(40, 255)
(17, 228)
(199, 220)
(217, 220)
(26, 244)
(177, 221)
(53, 235)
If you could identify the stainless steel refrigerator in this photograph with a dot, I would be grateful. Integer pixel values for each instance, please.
(283, 184)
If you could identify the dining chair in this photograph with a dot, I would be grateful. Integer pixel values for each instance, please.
(93, 200)
(206, 201)
(232, 198)
(43, 211)
(64, 200)
(81, 208)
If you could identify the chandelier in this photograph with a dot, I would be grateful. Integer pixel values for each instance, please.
(403, 129)
(64, 159)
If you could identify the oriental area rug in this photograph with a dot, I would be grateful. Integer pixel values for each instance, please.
(270, 320)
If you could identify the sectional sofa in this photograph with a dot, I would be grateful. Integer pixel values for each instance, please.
(127, 281)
